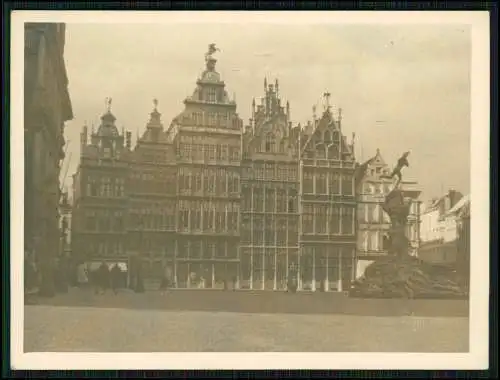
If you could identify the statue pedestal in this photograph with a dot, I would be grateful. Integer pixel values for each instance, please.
(398, 210)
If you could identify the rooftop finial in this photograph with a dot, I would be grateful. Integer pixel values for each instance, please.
(108, 104)
(327, 95)
(155, 103)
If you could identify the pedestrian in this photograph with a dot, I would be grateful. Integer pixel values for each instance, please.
(115, 277)
(102, 279)
(82, 276)
(235, 281)
(165, 281)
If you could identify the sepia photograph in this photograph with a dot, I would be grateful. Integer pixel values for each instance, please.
(234, 184)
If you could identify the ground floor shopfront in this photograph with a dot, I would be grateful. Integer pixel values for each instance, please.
(313, 267)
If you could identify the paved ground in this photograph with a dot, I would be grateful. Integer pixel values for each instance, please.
(261, 302)
(84, 329)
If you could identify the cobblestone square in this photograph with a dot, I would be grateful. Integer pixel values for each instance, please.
(90, 329)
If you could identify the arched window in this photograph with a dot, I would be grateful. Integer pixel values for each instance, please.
(282, 146)
(333, 152)
(327, 137)
(320, 151)
(269, 143)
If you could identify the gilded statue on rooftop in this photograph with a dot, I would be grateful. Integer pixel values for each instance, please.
(212, 49)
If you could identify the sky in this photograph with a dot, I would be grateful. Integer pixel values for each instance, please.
(400, 87)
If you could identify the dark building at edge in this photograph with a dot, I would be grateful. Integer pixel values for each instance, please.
(47, 106)
(212, 200)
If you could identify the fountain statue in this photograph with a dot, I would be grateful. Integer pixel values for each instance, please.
(398, 209)
(398, 274)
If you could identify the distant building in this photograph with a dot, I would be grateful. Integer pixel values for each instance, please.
(47, 106)
(461, 211)
(65, 212)
(373, 223)
(439, 229)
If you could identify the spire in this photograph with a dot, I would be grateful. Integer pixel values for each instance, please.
(276, 86)
(265, 84)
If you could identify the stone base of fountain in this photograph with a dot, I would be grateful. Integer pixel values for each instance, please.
(407, 277)
(399, 274)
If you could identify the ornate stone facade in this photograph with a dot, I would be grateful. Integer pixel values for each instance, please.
(213, 202)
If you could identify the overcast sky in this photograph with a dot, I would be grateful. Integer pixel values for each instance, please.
(400, 87)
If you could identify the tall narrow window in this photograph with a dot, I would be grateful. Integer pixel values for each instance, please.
(321, 183)
(197, 181)
(212, 119)
(269, 201)
(334, 183)
(258, 199)
(334, 221)
(90, 222)
(347, 221)
(347, 185)
(207, 216)
(211, 95)
(308, 182)
(224, 152)
(307, 219)
(197, 217)
(258, 231)
(320, 219)
(270, 144)
(321, 151)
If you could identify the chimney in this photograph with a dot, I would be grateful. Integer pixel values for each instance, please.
(128, 140)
